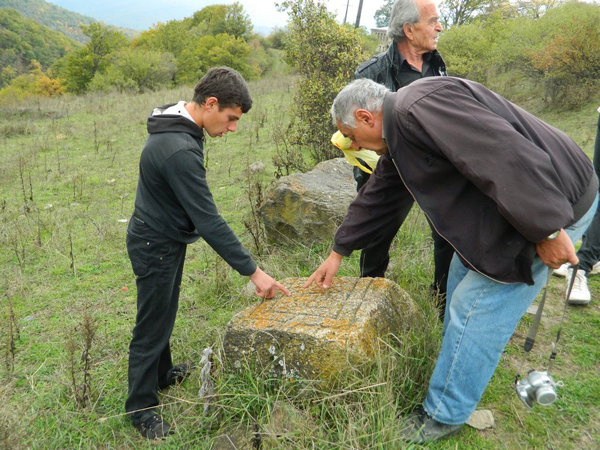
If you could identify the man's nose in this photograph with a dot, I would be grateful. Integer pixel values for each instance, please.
(232, 127)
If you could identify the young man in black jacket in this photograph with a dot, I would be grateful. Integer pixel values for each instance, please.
(174, 207)
(509, 192)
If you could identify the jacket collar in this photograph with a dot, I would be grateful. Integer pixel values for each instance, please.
(396, 59)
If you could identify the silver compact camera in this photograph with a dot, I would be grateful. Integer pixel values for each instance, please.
(538, 387)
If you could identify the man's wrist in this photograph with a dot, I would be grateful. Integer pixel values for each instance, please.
(335, 255)
(553, 236)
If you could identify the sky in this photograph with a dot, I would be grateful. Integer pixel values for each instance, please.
(142, 14)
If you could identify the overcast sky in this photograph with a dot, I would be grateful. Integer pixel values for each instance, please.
(142, 14)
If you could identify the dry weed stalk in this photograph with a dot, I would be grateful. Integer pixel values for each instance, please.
(255, 192)
(80, 372)
(12, 336)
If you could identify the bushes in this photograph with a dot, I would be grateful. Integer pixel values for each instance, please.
(210, 51)
(136, 70)
(569, 63)
(34, 83)
(560, 50)
(326, 55)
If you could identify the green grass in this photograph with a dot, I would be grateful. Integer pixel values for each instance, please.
(68, 171)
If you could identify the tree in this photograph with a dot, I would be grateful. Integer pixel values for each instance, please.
(536, 8)
(382, 15)
(79, 67)
(103, 41)
(277, 37)
(228, 19)
(460, 12)
(325, 55)
(136, 70)
(23, 40)
(173, 37)
(210, 51)
(569, 59)
(215, 35)
(33, 83)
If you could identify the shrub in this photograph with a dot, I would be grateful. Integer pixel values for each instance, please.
(569, 62)
(136, 70)
(326, 55)
(210, 51)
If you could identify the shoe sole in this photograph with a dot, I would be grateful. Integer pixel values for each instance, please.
(578, 302)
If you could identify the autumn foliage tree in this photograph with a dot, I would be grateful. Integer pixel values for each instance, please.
(570, 61)
(559, 51)
(33, 83)
(325, 55)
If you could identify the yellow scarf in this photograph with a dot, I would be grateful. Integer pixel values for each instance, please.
(345, 145)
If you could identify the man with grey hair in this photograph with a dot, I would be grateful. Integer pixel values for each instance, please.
(509, 192)
(414, 28)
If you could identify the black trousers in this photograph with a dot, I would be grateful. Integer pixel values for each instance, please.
(157, 263)
(375, 258)
(589, 252)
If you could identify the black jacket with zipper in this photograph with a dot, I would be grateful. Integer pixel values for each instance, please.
(173, 197)
(492, 178)
(384, 68)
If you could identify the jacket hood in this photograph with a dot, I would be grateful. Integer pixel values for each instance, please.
(169, 123)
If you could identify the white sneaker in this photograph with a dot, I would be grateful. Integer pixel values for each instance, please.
(563, 270)
(595, 269)
(580, 294)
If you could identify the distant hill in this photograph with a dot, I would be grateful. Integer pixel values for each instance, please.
(57, 18)
(23, 39)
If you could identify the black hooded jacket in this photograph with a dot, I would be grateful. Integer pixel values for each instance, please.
(173, 197)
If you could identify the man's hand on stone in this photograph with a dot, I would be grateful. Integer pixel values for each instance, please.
(266, 286)
(558, 251)
(323, 276)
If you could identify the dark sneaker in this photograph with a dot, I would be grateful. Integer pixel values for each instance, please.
(154, 427)
(177, 374)
(419, 428)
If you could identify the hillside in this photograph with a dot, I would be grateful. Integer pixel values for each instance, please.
(23, 39)
(57, 18)
(69, 172)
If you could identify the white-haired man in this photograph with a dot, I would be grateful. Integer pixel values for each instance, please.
(414, 29)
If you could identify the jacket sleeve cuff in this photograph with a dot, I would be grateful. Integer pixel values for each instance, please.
(248, 270)
(341, 250)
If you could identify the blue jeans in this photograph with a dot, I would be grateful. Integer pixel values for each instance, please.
(481, 316)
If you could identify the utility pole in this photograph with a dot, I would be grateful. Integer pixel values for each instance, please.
(358, 14)
(346, 15)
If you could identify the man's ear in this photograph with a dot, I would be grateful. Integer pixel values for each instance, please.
(362, 115)
(408, 31)
(211, 102)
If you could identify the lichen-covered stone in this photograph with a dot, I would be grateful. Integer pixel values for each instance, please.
(315, 333)
(308, 207)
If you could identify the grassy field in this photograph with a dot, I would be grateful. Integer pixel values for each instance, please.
(68, 171)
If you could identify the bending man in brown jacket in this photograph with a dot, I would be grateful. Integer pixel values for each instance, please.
(509, 192)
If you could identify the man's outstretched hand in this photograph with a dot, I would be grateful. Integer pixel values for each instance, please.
(266, 286)
(323, 276)
(558, 251)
